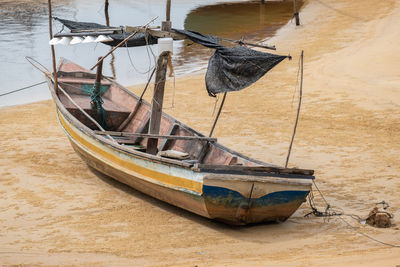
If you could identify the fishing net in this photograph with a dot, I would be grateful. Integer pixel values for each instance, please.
(139, 39)
(235, 68)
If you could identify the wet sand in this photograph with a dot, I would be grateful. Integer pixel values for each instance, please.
(55, 210)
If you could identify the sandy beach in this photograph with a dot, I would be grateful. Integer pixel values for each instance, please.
(54, 210)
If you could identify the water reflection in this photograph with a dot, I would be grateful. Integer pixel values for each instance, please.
(252, 21)
(234, 20)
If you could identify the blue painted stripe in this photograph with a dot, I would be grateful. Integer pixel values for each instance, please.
(229, 198)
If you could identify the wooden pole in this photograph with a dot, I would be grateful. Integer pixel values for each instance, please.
(168, 11)
(157, 102)
(296, 13)
(97, 89)
(99, 75)
(216, 118)
(53, 53)
(298, 109)
(166, 25)
(106, 13)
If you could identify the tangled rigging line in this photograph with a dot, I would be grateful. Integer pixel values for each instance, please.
(330, 212)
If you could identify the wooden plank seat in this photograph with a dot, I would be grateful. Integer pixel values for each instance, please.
(115, 114)
(83, 80)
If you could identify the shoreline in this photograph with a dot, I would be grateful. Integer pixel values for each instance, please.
(53, 205)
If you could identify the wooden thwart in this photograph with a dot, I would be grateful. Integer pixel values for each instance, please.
(156, 136)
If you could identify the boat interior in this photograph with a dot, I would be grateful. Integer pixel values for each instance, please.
(124, 113)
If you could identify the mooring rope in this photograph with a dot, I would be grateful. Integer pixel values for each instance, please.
(23, 88)
(330, 212)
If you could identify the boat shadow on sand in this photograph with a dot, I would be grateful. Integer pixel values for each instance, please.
(245, 232)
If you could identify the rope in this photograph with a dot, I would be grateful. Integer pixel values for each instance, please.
(36, 64)
(329, 212)
(96, 103)
(23, 88)
(148, 49)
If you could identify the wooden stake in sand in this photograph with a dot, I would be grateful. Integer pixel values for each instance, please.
(296, 13)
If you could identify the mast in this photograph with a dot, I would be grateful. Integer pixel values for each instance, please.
(157, 102)
(158, 96)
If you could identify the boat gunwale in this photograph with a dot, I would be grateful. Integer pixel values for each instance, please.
(272, 179)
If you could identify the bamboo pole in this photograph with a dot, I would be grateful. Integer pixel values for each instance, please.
(53, 53)
(216, 118)
(298, 109)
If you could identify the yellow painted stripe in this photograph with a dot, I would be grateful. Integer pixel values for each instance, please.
(98, 152)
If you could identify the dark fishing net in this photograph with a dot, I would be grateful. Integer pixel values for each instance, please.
(232, 69)
(139, 39)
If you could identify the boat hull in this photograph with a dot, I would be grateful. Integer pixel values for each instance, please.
(230, 198)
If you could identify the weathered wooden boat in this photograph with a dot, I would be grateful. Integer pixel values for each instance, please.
(134, 142)
(190, 171)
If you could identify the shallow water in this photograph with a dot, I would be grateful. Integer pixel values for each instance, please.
(24, 32)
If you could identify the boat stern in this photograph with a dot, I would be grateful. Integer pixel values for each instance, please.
(244, 199)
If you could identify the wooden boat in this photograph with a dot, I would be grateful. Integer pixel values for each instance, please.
(191, 171)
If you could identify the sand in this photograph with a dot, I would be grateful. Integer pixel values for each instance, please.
(54, 210)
